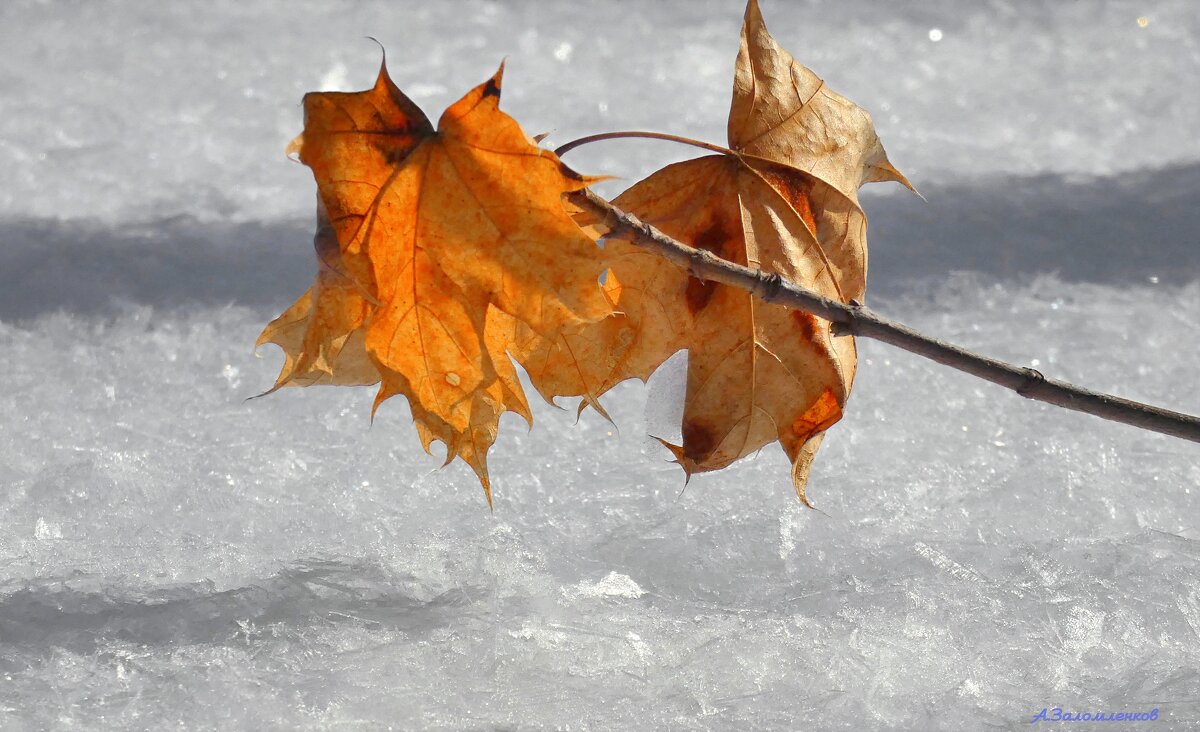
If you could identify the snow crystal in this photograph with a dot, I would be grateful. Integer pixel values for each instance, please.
(45, 530)
(613, 585)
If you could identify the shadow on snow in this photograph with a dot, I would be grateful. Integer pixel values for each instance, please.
(78, 613)
(1109, 230)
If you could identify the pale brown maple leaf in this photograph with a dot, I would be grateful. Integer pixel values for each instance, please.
(783, 200)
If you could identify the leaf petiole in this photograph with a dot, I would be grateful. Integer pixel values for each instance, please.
(567, 147)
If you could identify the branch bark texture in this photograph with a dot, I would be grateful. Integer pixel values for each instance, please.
(855, 318)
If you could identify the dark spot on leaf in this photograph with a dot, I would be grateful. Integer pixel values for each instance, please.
(393, 155)
(325, 239)
(698, 293)
(796, 188)
(491, 88)
(713, 238)
(807, 323)
(396, 146)
(698, 441)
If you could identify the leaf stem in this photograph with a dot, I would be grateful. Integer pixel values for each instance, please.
(855, 318)
(568, 147)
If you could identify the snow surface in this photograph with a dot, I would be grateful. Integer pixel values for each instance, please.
(173, 555)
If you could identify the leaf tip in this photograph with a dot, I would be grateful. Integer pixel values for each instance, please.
(681, 459)
(292, 151)
(753, 12)
(380, 397)
(272, 390)
(883, 171)
(754, 28)
(491, 88)
(803, 498)
(802, 466)
(591, 401)
(382, 56)
(479, 465)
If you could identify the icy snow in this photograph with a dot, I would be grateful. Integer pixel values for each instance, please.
(174, 555)
(613, 585)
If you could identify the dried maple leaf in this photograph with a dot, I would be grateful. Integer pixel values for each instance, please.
(783, 112)
(785, 201)
(434, 246)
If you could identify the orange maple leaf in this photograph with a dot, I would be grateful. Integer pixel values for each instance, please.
(784, 200)
(434, 247)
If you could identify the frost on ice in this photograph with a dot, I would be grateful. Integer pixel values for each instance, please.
(613, 585)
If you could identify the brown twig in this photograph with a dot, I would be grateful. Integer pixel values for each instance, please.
(855, 318)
